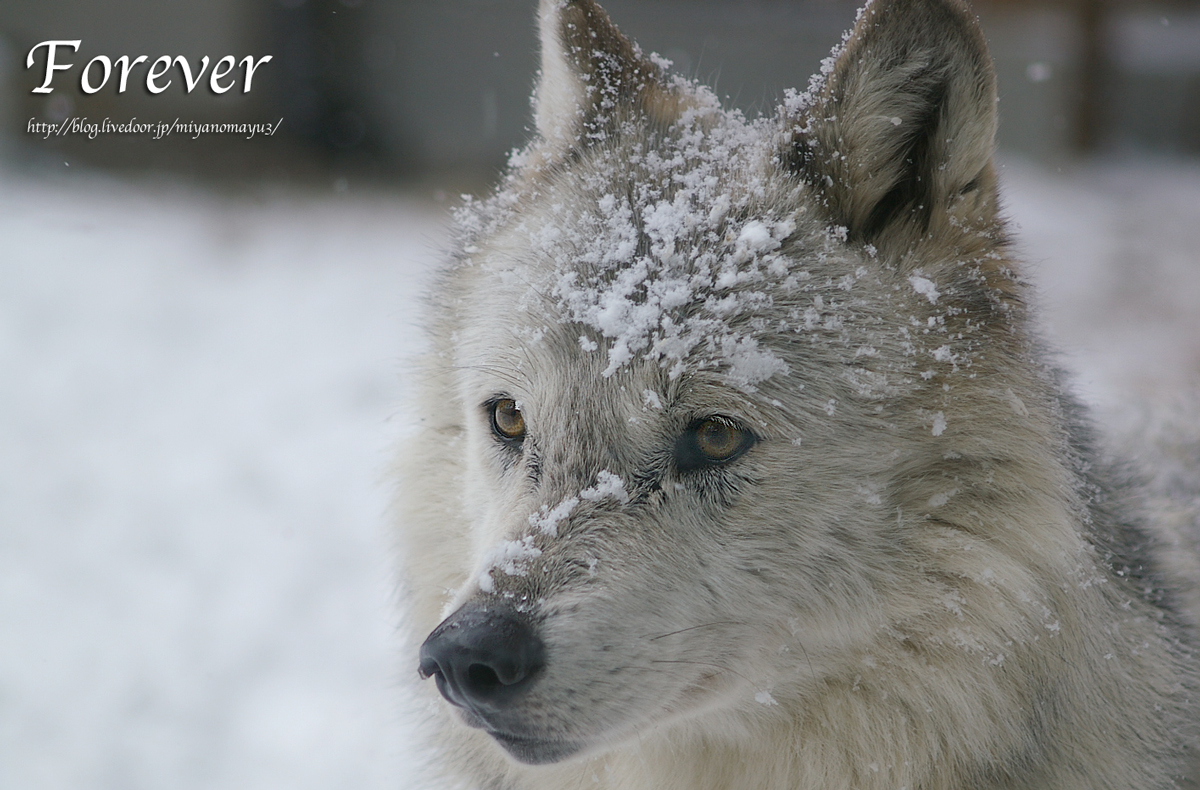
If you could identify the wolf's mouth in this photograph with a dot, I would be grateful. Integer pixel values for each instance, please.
(524, 748)
(535, 751)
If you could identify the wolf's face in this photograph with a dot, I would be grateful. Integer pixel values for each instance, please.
(690, 355)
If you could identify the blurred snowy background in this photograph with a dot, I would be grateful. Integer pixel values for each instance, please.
(202, 344)
(198, 398)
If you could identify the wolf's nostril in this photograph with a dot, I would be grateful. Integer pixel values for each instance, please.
(483, 658)
(483, 678)
(428, 668)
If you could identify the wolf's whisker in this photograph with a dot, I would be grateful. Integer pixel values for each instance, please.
(691, 628)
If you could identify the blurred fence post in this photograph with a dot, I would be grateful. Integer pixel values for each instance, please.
(1093, 72)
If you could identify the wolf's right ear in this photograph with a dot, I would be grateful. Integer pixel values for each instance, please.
(592, 77)
(898, 141)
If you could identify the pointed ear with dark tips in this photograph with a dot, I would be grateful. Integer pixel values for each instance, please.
(899, 139)
(592, 76)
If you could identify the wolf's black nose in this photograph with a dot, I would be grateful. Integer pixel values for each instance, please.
(483, 658)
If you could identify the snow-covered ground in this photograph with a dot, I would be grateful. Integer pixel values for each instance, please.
(198, 396)
(197, 402)
(1115, 252)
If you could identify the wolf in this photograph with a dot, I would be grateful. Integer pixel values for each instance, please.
(741, 464)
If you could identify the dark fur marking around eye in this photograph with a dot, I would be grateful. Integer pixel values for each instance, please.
(533, 465)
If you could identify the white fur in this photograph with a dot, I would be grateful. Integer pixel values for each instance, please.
(559, 91)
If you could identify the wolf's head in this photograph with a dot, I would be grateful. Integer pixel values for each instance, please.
(715, 392)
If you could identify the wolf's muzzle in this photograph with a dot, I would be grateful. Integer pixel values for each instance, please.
(484, 657)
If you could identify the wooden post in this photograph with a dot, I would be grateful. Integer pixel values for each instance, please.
(1093, 72)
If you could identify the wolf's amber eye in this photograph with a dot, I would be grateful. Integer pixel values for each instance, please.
(507, 420)
(711, 441)
(719, 439)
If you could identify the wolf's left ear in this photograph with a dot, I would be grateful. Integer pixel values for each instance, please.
(592, 76)
(899, 139)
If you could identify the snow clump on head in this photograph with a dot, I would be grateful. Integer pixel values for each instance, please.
(667, 244)
(670, 262)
